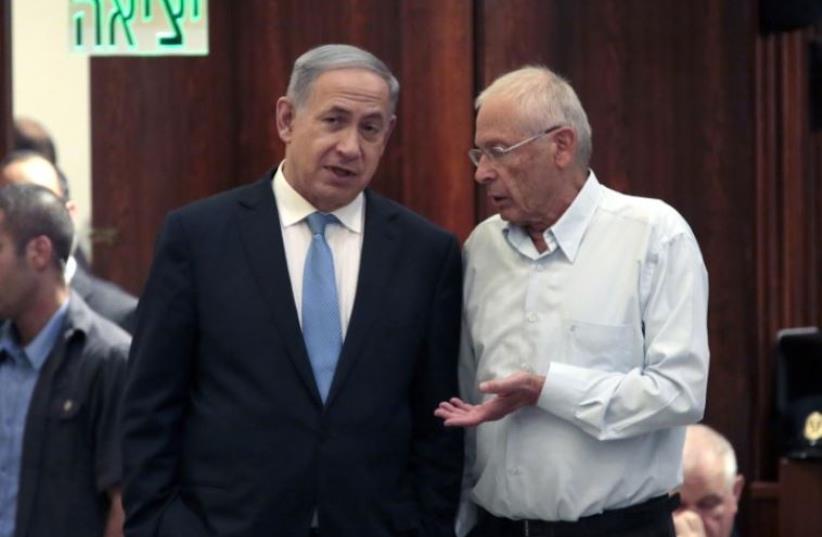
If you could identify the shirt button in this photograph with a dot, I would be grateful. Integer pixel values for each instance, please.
(532, 317)
(539, 267)
(68, 405)
(513, 471)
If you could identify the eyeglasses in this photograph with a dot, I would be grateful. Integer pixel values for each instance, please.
(496, 152)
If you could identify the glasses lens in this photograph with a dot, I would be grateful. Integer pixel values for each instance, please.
(475, 155)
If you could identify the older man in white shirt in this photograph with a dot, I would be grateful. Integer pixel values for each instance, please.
(584, 349)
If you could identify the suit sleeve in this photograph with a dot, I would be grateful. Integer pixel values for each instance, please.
(161, 364)
(108, 390)
(437, 451)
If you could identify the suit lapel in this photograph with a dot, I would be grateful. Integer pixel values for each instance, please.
(380, 251)
(263, 245)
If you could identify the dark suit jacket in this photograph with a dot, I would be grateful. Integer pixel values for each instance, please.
(105, 298)
(71, 450)
(225, 432)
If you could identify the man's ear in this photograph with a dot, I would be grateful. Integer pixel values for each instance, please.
(739, 482)
(566, 143)
(39, 252)
(286, 113)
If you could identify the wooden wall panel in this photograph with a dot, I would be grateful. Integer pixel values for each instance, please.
(167, 131)
(6, 118)
(668, 89)
(800, 485)
(763, 503)
(436, 116)
(787, 221)
(162, 135)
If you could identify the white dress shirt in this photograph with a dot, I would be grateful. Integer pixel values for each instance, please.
(344, 239)
(614, 314)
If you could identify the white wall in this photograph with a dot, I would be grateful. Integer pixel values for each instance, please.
(51, 85)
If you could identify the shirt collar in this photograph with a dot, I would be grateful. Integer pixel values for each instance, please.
(294, 208)
(70, 270)
(38, 348)
(567, 232)
(571, 226)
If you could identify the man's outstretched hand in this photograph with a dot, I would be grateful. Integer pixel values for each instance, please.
(512, 393)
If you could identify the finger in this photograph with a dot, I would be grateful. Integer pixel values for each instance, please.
(459, 403)
(491, 386)
(455, 408)
(445, 411)
(510, 383)
(440, 411)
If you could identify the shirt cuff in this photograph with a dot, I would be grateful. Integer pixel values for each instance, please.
(564, 388)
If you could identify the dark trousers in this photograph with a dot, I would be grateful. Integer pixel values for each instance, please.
(648, 519)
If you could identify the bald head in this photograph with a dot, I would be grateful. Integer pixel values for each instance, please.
(28, 167)
(706, 447)
(32, 136)
(711, 485)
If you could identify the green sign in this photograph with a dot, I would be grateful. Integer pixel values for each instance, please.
(139, 27)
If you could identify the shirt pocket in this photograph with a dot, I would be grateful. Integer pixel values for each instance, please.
(69, 438)
(612, 348)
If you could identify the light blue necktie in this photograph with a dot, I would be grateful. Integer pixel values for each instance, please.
(321, 311)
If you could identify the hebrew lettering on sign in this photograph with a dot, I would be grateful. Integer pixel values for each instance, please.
(139, 27)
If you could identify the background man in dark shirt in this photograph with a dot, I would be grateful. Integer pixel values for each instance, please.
(61, 373)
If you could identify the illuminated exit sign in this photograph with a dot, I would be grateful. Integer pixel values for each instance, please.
(139, 27)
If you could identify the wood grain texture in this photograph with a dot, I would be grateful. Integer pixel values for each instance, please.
(800, 485)
(190, 127)
(162, 135)
(762, 497)
(436, 117)
(788, 184)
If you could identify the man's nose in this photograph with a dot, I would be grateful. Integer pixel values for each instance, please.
(349, 143)
(485, 172)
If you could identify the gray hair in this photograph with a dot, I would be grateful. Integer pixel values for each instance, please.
(544, 98)
(709, 441)
(318, 60)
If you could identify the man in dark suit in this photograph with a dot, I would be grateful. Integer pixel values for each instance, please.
(106, 298)
(62, 368)
(294, 338)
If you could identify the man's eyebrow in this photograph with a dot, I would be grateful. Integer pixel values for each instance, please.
(711, 498)
(491, 142)
(336, 109)
(375, 115)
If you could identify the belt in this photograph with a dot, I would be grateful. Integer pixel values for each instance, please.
(655, 510)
